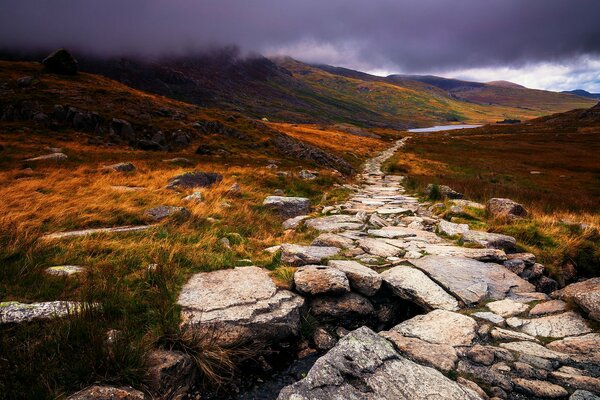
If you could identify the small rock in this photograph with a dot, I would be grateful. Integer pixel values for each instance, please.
(195, 197)
(288, 207)
(190, 180)
(362, 279)
(444, 191)
(539, 388)
(481, 354)
(120, 167)
(318, 279)
(278, 192)
(349, 310)
(548, 307)
(333, 240)
(50, 157)
(505, 334)
(452, 229)
(441, 327)
(490, 317)
(15, 312)
(225, 243)
(545, 284)
(507, 307)
(65, 270)
(585, 294)
(179, 161)
(439, 356)
(583, 395)
(555, 326)
(159, 213)
(98, 392)
(293, 223)
(307, 175)
(323, 339)
(234, 190)
(27, 81)
(298, 255)
(381, 248)
(490, 240)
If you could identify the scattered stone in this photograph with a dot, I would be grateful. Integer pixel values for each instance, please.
(225, 243)
(97, 392)
(27, 81)
(234, 190)
(378, 222)
(298, 255)
(364, 365)
(362, 279)
(319, 279)
(15, 312)
(288, 207)
(60, 62)
(120, 167)
(585, 294)
(170, 373)
(490, 240)
(278, 192)
(452, 229)
(539, 388)
(555, 326)
(307, 175)
(195, 197)
(505, 334)
(240, 304)
(472, 281)
(507, 307)
(190, 180)
(86, 232)
(490, 317)
(65, 270)
(333, 240)
(439, 356)
(441, 327)
(50, 157)
(413, 285)
(293, 223)
(179, 161)
(498, 207)
(444, 191)
(160, 213)
(472, 386)
(548, 307)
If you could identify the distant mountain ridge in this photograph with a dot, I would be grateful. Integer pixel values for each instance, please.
(583, 93)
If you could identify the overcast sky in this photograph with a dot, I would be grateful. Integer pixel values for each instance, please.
(549, 44)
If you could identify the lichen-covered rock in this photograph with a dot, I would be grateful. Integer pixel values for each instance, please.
(438, 356)
(548, 307)
(586, 294)
(362, 279)
(239, 304)
(191, 180)
(65, 270)
(555, 326)
(293, 223)
(299, 255)
(288, 207)
(365, 366)
(441, 327)
(15, 312)
(483, 255)
(379, 247)
(319, 279)
(412, 284)
(451, 229)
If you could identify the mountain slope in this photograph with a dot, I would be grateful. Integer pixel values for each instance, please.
(584, 93)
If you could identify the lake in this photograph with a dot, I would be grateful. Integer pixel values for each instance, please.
(444, 128)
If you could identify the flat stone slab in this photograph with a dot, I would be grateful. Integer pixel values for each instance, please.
(98, 392)
(394, 232)
(378, 247)
(64, 270)
(298, 255)
(15, 312)
(484, 255)
(490, 240)
(365, 366)
(452, 229)
(441, 327)
(585, 347)
(362, 279)
(413, 285)
(553, 326)
(394, 211)
(507, 307)
(470, 280)
(489, 317)
(333, 240)
(239, 304)
(534, 349)
(334, 223)
(438, 356)
(548, 307)
(508, 335)
(85, 232)
(288, 207)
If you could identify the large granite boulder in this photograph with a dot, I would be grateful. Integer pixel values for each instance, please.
(319, 279)
(60, 62)
(288, 207)
(191, 180)
(240, 304)
(472, 281)
(413, 285)
(585, 294)
(365, 366)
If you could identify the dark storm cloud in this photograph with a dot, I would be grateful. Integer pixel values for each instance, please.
(411, 35)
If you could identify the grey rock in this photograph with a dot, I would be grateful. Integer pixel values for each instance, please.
(159, 213)
(323, 339)
(490, 317)
(539, 388)
(555, 326)
(346, 310)
(498, 207)
(362, 279)
(586, 294)
(307, 175)
(65, 270)
(507, 307)
(333, 240)
(535, 350)
(470, 280)
(335, 223)
(438, 356)
(190, 180)
(380, 248)
(49, 157)
(484, 255)
(120, 167)
(288, 207)
(98, 392)
(195, 197)
(239, 304)
(490, 240)
(445, 191)
(548, 307)
(365, 366)
(441, 327)
(15, 312)
(298, 255)
(319, 279)
(583, 395)
(413, 285)
(452, 229)
(506, 334)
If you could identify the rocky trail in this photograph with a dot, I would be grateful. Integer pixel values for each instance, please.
(395, 310)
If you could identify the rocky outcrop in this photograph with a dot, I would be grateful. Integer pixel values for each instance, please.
(585, 294)
(365, 366)
(288, 207)
(238, 305)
